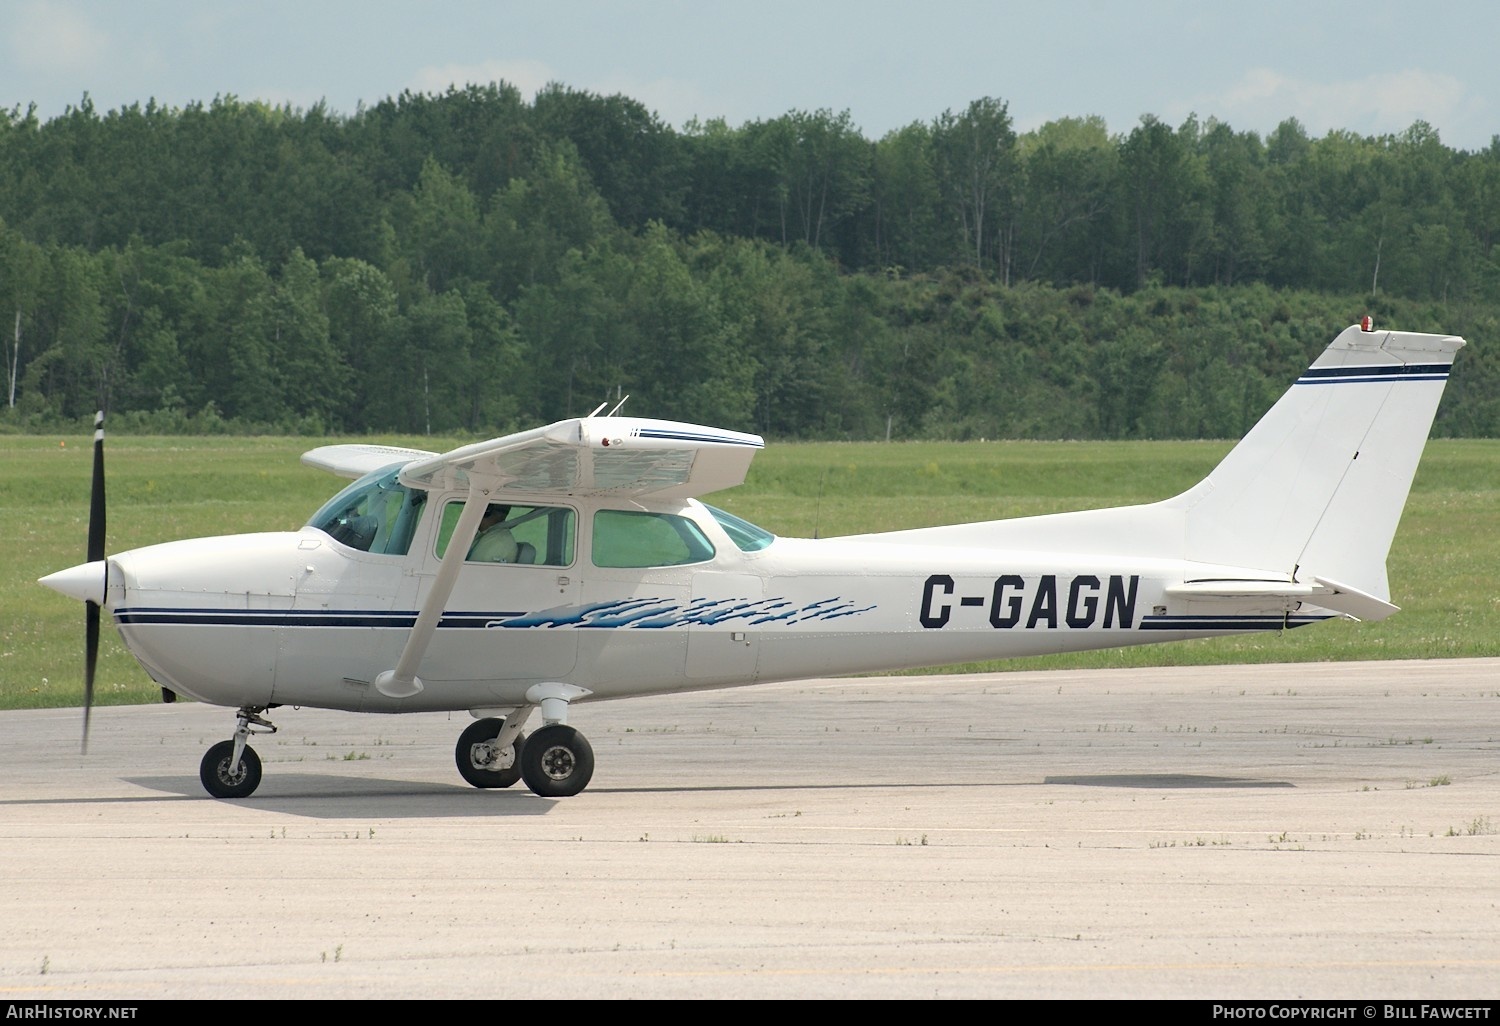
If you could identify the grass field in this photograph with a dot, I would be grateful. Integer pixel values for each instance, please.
(1442, 566)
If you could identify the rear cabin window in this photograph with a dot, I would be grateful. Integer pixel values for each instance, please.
(632, 538)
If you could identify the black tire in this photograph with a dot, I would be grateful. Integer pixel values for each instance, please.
(474, 766)
(557, 762)
(219, 782)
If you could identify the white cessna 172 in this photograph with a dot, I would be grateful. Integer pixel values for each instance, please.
(572, 563)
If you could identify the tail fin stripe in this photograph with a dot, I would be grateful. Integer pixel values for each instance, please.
(1410, 372)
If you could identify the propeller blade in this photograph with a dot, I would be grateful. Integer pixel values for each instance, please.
(90, 657)
(96, 496)
(95, 553)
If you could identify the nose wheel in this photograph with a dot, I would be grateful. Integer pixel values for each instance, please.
(231, 769)
(222, 778)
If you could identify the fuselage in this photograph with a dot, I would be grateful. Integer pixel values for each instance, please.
(518, 575)
(618, 599)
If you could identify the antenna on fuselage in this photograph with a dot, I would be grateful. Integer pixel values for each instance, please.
(598, 408)
(616, 410)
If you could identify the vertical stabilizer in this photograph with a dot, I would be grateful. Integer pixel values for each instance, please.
(1317, 487)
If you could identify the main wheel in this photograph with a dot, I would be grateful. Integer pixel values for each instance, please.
(557, 761)
(219, 782)
(479, 762)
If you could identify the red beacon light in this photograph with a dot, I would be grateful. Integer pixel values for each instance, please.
(1367, 323)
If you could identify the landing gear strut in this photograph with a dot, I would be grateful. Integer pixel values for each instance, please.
(231, 769)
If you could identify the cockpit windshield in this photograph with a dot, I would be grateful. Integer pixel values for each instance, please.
(374, 514)
(743, 533)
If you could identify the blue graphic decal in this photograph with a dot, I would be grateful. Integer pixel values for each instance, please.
(634, 613)
(656, 613)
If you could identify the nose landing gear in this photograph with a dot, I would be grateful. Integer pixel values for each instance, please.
(231, 769)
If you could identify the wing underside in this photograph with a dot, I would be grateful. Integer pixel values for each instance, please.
(597, 456)
(357, 459)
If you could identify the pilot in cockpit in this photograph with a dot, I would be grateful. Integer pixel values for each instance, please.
(494, 543)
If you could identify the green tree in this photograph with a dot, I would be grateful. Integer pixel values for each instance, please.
(236, 354)
(21, 267)
(574, 355)
(1237, 196)
(155, 297)
(1162, 200)
(730, 188)
(908, 222)
(683, 359)
(315, 379)
(535, 221)
(439, 389)
(634, 161)
(825, 172)
(443, 235)
(772, 305)
(976, 167)
(495, 358)
(72, 372)
(1069, 167)
(367, 334)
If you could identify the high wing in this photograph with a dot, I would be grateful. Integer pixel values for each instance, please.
(621, 456)
(358, 459)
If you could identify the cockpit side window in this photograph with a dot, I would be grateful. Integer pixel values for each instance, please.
(514, 533)
(374, 514)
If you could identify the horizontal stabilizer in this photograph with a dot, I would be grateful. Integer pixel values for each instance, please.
(1351, 601)
(1285, 595)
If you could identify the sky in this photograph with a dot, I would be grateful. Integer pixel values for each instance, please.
(1371, 67)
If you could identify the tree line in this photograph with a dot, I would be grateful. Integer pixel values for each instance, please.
(472, 262)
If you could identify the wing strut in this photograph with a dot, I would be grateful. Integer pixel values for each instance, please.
(403, 682)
